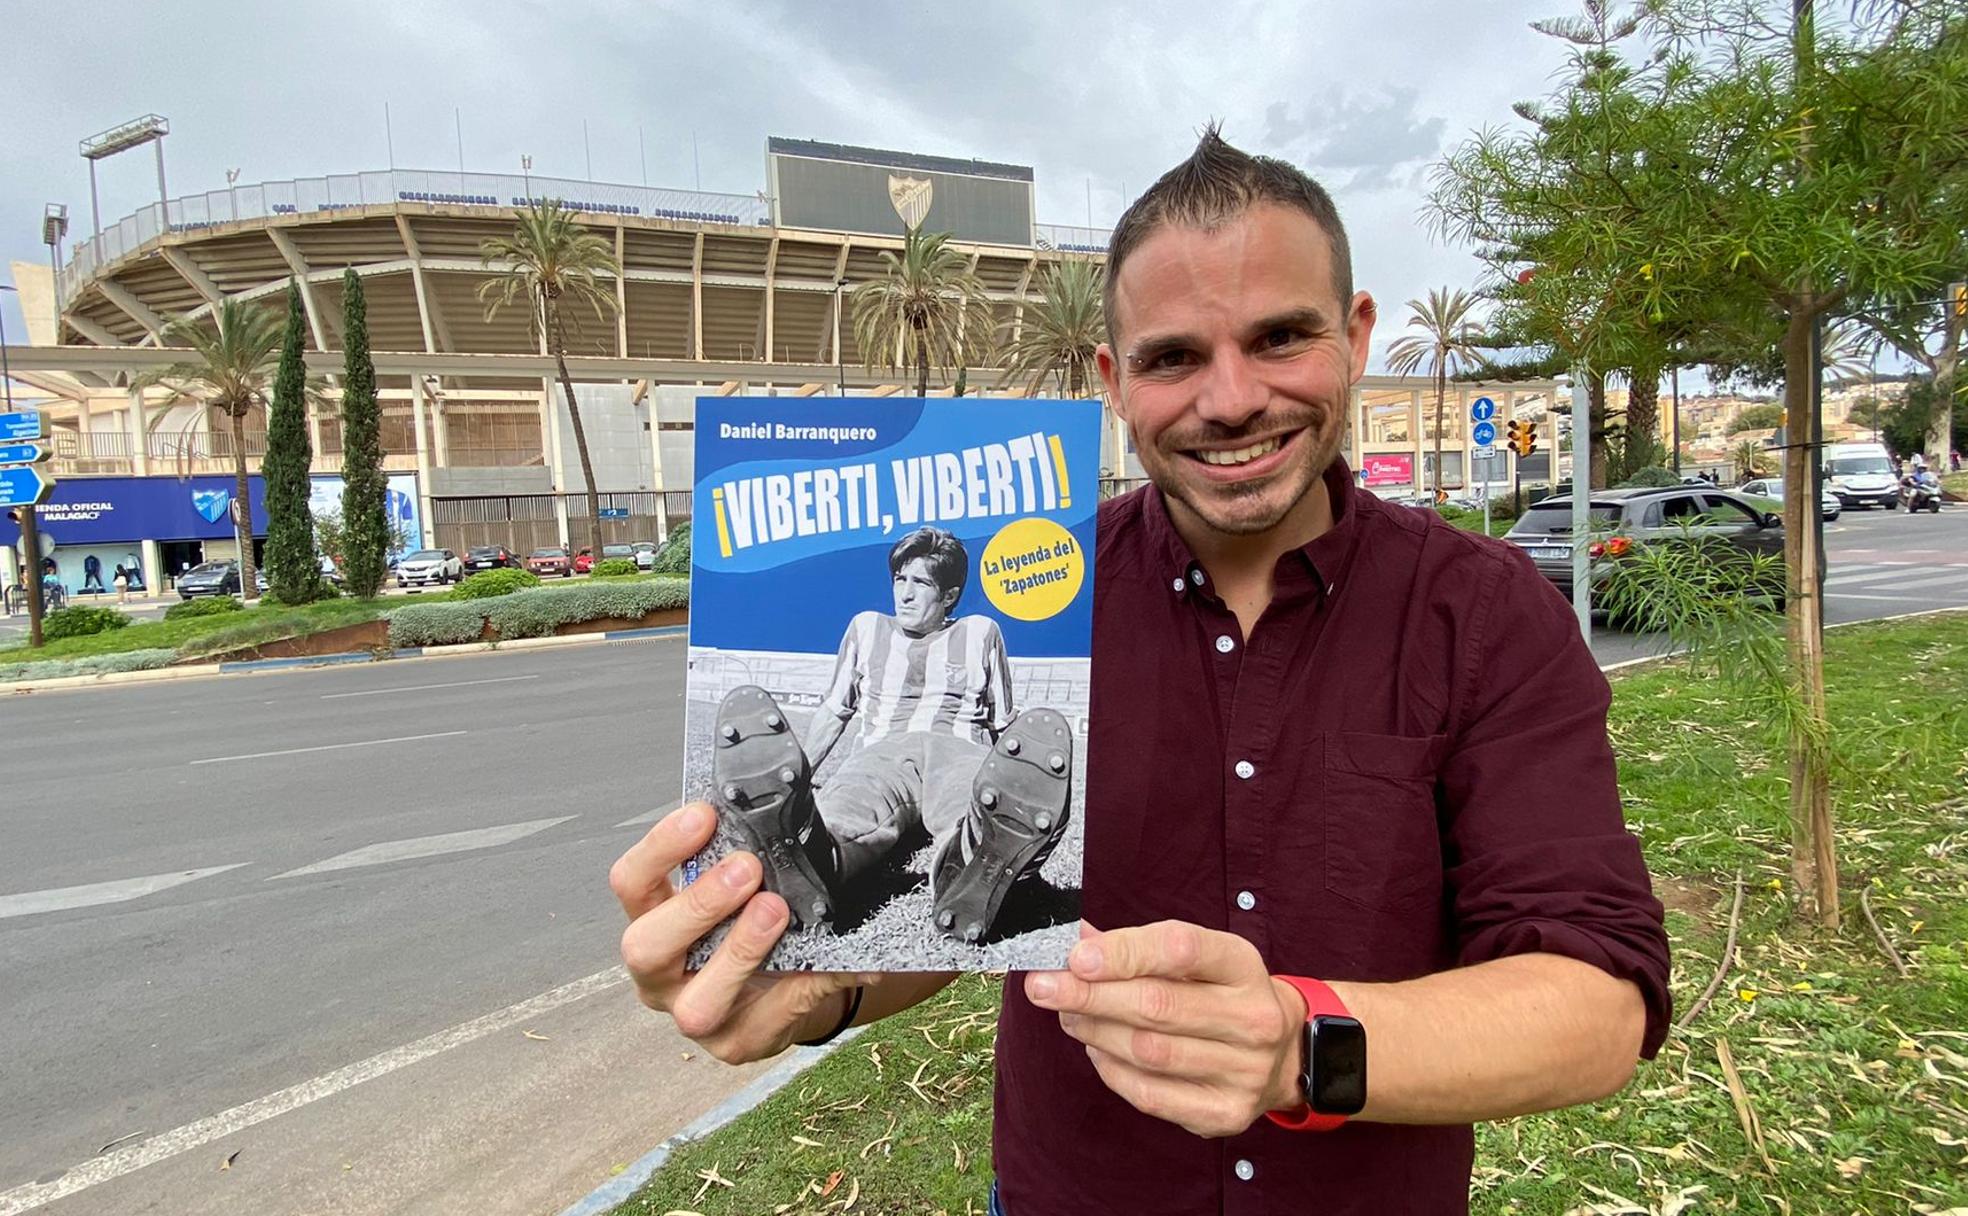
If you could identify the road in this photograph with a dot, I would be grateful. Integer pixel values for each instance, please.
(353, 924)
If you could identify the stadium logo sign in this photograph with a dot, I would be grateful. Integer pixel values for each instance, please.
(211, 503)
(911, 196)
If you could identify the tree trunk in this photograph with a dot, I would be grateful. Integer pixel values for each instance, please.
(1076, 384)
(1813, 855)
(1595, 396)
(1441, 395)
(1940, 429)
(31, 582)
(922, 363)
(242, 495)
(1643, 444)
(559, 340)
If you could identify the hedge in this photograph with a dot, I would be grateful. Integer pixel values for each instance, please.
(614, 567)
(209, 606)
(488, 583)
(88, 665)
(537, 612)
(674, 556)
(81, 620)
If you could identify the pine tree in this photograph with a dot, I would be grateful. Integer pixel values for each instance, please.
(365, 490)
(293, 574)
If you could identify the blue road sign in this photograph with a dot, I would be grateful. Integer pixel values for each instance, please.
(24, 486)
(23, 453)
(1482, 409)
(614, 512)
(1485, 433)
(24, 425)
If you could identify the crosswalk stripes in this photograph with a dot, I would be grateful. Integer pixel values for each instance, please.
(1893, 580)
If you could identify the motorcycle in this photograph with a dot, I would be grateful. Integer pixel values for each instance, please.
(1920, 491)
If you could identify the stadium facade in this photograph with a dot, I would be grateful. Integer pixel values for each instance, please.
(719, 294)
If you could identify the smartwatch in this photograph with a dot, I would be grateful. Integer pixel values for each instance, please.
(1332, 1075)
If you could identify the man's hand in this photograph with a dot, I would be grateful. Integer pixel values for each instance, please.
(1184, 1023)
(733, 1011)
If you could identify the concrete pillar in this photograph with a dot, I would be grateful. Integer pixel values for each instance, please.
(8, 560)
(139, 436)
(655, 400)
(312, 410)
(556, 469)
(1421, 444)
(424, 538)
(151, 556)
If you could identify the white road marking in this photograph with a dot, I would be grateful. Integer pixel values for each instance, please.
(106, 1168)
(377, 692)
(329, 747)
(61, 899)
(1871, 576)
(427, 846)
(649, 816)
(1940, 580)
(1854, 595)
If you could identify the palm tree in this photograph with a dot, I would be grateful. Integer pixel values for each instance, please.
(914, 315)
(234, 364)
(1748, 459)
(1847, 352)
(1446, 343)
(552, 261)
(1060, 332)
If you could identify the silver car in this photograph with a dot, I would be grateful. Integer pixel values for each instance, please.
(1620, 519)
(429, 568)
(1772, 489)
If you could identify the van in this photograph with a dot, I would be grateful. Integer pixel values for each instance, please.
(1861, 475)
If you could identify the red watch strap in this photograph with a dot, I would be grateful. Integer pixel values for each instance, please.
(1319, 999)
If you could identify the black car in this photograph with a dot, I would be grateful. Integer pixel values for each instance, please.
(211, 578)
(490, 557)
(1621, 519)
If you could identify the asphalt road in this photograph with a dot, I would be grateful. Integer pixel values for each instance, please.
(387, 984)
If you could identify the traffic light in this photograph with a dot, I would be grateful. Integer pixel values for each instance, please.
(1521, 436)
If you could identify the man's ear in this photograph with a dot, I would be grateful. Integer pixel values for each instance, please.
(1109, 366)
(1360, 316)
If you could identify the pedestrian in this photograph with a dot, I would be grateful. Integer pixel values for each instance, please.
(122, 583)
(1954, 461)
(1298, 859)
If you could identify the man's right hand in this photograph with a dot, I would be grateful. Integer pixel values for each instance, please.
(736, 1013)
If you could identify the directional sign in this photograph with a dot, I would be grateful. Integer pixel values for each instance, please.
(614, 512)
(1482, 409)
(24, 425)
(24, 453)
(24, 486)
(1484, 434)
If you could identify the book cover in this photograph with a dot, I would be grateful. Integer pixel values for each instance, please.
(891, 617)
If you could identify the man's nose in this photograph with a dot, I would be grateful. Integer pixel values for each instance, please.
(1230, 391)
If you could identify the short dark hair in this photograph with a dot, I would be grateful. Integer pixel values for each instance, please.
(1217, 184)
(949, 563)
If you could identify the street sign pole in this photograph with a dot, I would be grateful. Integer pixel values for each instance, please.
(15, 426)
(1581, 498)
(1481, 411)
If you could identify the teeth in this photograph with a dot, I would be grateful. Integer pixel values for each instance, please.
(1241, 455)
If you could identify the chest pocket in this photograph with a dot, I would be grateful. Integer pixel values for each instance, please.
(1383, 847)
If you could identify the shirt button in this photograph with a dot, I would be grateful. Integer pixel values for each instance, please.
(1179, 584)
(1196, 575)
(1225, 644)
(1246, 900)
(1245, 1170)
(1246, 769)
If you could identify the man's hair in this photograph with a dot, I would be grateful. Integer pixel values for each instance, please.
(1215, 185)
(949, 564)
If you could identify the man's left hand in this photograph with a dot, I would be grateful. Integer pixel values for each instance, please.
(1184, 1023)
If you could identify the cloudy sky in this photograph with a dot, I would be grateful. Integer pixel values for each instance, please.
(1099, 98)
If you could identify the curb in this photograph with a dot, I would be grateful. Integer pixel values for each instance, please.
(249, 666)
(618, 1189)
(1871, 620)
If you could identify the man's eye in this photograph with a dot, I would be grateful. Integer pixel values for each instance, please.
(1170, 359)
(1279, 338)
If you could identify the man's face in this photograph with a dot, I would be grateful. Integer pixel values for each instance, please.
(1235, 365)
(920, 605)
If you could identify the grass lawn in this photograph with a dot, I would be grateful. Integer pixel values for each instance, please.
(195, 635)
(1956, 484)
(1852, 1080)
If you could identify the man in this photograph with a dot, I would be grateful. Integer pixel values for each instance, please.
(1349, 771)
(941, 747)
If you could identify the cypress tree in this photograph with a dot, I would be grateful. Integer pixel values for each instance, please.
(365, 489)
(293, 574)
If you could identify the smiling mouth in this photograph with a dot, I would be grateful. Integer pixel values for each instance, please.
(1239, 456)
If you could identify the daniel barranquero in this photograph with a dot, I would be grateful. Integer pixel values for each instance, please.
(920, 704)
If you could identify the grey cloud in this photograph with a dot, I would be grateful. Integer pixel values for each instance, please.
(1357, 142)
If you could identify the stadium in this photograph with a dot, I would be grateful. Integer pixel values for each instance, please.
(718, 294)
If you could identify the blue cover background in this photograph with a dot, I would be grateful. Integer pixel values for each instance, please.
(799, 595)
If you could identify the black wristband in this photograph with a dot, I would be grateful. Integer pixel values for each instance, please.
(847, 1020)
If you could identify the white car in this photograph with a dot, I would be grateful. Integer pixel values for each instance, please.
(429, 567)
(1773, 488)
(645, 554)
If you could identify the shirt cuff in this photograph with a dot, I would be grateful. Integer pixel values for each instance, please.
(1643, 962)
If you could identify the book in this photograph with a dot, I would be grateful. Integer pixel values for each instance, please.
(891, 622)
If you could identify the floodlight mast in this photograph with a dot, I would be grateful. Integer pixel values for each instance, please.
(54, 226)
(150, 129)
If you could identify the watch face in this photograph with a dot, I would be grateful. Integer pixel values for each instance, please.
(1337, 1059)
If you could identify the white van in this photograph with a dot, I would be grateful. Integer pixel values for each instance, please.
(1861, 475)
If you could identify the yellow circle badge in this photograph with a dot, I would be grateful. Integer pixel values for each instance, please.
(1032, 569)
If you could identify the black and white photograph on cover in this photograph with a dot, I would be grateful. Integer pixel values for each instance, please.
(916, 796)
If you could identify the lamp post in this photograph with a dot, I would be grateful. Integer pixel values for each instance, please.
(840, 371)
(526, 175)
(54, 226)
(232, 191)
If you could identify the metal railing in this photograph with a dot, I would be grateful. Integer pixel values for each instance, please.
(1071, 238)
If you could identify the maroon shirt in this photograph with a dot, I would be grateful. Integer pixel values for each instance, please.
(1404, 769)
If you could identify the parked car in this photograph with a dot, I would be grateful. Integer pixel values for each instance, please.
(645, 554)
(209, 578)
(429, 567)
(1622, 519)
(329, 570)
(584, 561)
(490, 557)
(1772, 488)
(550, 561)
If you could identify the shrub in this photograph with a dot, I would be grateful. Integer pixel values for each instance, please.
(488, 583)
(532, 613)
(674, 556)
(90, 665)
(1650, 477)
(614, 567)
(81, 620)
(209, 606)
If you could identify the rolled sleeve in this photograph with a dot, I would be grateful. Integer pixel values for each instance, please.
(1539, 858)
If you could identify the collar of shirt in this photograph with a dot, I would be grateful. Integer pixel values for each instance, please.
(1316, 568)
